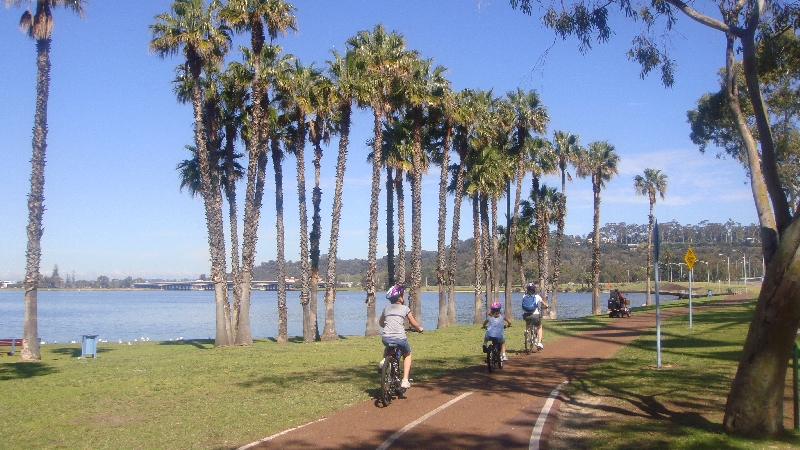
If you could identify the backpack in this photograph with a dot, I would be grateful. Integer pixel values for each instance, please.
(529, 303)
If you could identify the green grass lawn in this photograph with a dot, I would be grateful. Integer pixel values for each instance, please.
(189, 395)
(681, 404)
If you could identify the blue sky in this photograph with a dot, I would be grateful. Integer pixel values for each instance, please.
(116, 131)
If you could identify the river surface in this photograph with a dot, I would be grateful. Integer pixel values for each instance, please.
(129, 315)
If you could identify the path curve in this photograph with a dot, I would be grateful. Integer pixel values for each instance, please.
(472, 408)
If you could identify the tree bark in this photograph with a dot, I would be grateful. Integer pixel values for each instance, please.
(336, 216)
(596, 246)
(372, 320)
(30, 321)
(478, 259)
(441, 268)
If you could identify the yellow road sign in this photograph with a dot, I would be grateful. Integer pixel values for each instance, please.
(690, 258)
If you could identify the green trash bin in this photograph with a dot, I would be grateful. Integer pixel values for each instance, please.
(89, 345)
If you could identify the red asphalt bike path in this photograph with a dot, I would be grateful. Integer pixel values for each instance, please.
(473, 408)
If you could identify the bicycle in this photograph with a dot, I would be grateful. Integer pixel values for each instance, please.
(493, 357)
(532, 336)
(391, 374)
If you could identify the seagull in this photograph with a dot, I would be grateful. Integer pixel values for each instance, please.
(129, 343)
(120, 341)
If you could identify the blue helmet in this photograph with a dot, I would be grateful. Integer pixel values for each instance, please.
(530, 287)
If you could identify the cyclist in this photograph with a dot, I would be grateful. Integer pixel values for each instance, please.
(494, 329)
(393, 331)
(532, 310)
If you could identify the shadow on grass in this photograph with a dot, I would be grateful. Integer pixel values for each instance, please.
(23, 370)
(202, 344)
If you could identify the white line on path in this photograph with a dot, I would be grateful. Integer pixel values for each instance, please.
(251, 445)
(403, 431)
(536, 434)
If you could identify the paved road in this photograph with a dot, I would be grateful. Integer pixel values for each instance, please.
(471, 408)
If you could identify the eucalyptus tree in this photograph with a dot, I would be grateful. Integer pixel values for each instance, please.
(383, 62)
(530, 115)
(423, 87)
(653, 182)
(342, 72)
(300, 88)
(755, 402)
(565, 147)
(39, 27)
(600, 162)
(256, 16)
(192, 28)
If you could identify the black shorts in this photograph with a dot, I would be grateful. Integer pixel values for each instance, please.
(532, 318)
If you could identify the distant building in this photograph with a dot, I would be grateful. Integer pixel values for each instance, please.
(5, 284)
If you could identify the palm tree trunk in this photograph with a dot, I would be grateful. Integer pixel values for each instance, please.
(441, 274)
(495, 253)
(562, 212)
(400, 271)
(416, 217)
(280, 257)
(316, 234)
(372, 263)
(542, 260)
(390, 225)
(233, 219)
(336, 215)
(451, 271)
(308, 332)
(478, 259)
(511, 240)
(486, 245)
(596, 248)
(209, 188)
(30, 322)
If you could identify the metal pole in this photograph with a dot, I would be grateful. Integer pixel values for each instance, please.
(691, 271)
(658, 303)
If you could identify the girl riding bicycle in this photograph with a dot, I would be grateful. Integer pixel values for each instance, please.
(532, 304)
(494, 329)
(393, 331)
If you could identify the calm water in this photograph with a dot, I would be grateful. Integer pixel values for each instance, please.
(65, 316)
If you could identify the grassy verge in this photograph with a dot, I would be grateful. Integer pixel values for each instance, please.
(187, 394)
(627, 402)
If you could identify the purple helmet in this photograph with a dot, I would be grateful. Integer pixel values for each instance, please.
(495, 306)
(396, 291)
(530, 287)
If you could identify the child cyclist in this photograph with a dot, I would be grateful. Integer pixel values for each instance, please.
(532, 309)
(393, 331)
(494, 329)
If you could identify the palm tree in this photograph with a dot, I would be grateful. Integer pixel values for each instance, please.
(600, 162)
(543, 162)
(38, 27)
(529, 115)
(544, 211)
(653, 182)
(565, 147)
(342, 74)
(299, 89)
(323, 104)
(423, 87)
(191, 27)
(257, 16)
(381, 59)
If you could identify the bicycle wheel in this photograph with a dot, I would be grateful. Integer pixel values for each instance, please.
(490, 358)
(497, 358)
(386, 381)
(528, 340)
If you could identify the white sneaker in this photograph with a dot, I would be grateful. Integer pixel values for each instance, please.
(405, 384)
(380, 365)
(540, 346)
(504, 358)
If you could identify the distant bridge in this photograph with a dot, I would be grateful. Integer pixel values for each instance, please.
(202, 285)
